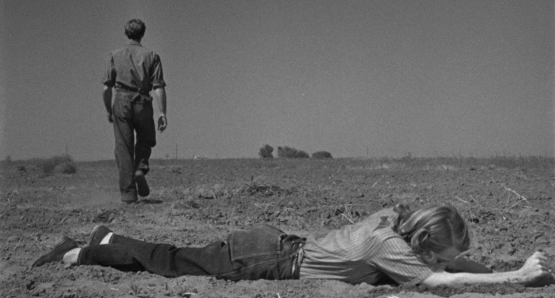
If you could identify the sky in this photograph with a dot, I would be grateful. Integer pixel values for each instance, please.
(354, 78)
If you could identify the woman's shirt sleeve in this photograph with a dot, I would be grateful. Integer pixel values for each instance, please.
(395, 258)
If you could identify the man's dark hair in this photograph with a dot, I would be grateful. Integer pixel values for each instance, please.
(135, 29)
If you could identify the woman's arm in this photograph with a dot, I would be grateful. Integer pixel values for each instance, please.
(465, 265)
(534, 269)
(453, 279)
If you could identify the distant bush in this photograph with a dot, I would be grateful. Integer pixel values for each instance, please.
(59, 164)
(321, 154)
(288, 152)
(66, 168)
(302, 154)
(266, 151)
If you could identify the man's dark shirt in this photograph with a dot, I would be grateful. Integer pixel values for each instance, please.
(134, 67)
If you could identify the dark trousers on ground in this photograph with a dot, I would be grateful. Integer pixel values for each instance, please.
(263, 252)
(132, 114)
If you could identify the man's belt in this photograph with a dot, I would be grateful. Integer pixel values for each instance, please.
(141, 95)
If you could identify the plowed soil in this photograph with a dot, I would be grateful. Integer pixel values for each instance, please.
(508, 203)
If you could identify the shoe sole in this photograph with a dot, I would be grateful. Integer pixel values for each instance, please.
(129, 202)
(142, 186)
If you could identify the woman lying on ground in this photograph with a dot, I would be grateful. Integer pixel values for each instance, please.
(392, 246)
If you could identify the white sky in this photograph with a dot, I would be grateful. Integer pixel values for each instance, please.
(433, 78)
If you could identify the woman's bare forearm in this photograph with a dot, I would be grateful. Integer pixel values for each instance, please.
(454, 279)
(465, 265)
(534, 269)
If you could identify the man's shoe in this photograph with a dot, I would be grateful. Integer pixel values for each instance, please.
(142, 186)
(57, 253)
(98, 233)
(129, 197)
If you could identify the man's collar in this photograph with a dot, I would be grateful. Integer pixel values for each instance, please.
(133, 42)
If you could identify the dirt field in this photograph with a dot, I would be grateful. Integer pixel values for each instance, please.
(507, 201)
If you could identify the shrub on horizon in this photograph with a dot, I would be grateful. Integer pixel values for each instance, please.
(288, 152)
(266, 151)
(66, 168)
(321, 154)
(302, 154)
(59, 164)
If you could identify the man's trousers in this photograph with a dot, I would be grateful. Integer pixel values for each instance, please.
(132, 115)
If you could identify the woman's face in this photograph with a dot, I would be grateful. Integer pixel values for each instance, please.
(438, 261)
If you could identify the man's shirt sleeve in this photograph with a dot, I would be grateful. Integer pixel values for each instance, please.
(396, 259)
(157, 77)
(109, 77)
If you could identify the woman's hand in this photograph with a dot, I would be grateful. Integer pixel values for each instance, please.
(536, 271)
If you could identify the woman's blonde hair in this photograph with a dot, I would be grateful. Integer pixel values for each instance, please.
(433, 228)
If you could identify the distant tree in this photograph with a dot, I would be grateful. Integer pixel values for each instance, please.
(66, 167)
(285, 152)
(266, 151)
(59, 164)
(321, 154)
(302, 154)
(8, 159)
(288, 152)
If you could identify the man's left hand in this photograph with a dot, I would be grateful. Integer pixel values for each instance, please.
(162, 123)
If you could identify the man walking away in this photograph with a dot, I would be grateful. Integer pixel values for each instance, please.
(133, 71)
